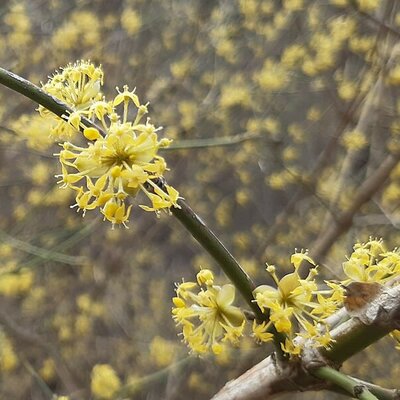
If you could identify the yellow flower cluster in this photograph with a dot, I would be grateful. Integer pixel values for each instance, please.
(371, 262)
(110, 168)
(105, 382)
(273, 76)
(8, 358)
(354, 140)
(297, 307)
(15, 284)
(77, 85)
(208, 318)
(162, 351)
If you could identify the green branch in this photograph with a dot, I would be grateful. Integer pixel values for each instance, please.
(350, 385)
(207, 239)
(140, 384)
(184, 144)
(380, 392)
(45, 254)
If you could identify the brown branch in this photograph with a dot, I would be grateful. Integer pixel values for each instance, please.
(344, 221)
(267, 379)
(321, 163)
(381, 23)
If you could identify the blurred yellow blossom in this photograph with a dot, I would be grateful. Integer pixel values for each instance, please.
(48, 370)
(104, 381)
(273, 76)
(8, 358)
(347, 90)
(293, 55)
(14, 284)
(235, 93)
(131, 21)
(393, 77)
(368, 5)
(354, 140)
(162, 351)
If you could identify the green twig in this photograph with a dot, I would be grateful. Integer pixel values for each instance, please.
(41, 383)
(349, 384)
(184, 144)
(206, 237)
(40, 252)
(62, 246)
(139, 384)
(380, 392)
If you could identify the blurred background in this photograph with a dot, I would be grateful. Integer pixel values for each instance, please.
(282, 113)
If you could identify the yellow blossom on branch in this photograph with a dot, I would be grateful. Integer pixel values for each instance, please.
(78, 86)
(297, 307)
(106, 171)
(206, 314)
(371, 262)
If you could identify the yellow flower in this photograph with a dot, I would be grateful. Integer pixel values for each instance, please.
(260, 332)
(297, 258)
(347, 90)
(293, 55)
(105, 382)
(208, 318)
(273, 76)
(162, 351)
(48, 371)
(77, 85)
(371, 262)
(354, 140)
(368, 5)
(15, 284)
(112, 168)
(291, 347)
(131, 21)
(8, 358)
(297, 307)
(394, 76)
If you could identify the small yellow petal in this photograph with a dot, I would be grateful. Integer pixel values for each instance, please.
(91, 133)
